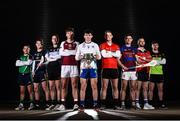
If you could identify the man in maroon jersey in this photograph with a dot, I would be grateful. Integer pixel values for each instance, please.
(69, 69)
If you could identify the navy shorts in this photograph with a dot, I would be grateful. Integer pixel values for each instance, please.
(25, 79)
(39, 77)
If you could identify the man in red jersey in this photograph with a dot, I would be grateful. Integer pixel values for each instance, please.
(143, 57)
(110, 53)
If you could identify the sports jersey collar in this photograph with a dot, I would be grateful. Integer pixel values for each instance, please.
(141, 49)
(127, 45)
(87, 43)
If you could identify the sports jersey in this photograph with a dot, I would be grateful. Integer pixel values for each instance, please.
(159, 68)
(38, 57)
(87, 50)
(24, 63)
(68, 52)
(109, 61)
(143, 55)
(128, 56)
(53, 54)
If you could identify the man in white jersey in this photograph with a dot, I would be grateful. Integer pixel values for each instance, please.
(88, 52)
(69, 68)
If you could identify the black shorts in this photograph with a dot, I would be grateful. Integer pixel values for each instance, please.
(25, 79)
(54, 70)
(109, 73)
(39, 77)
(156, 78)
(143, 76)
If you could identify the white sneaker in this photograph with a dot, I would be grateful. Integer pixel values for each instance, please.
(148, 106)
(61, 108)
(20, 107)
(50, 107)
(31, 106)
(138, 107)
(75, 107)
(56, 107)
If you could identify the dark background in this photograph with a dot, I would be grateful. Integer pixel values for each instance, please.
(22, 21)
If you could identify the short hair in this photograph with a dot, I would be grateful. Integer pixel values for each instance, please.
(129, 34)
(108, 31)
(27, 45)
(139, 40)
(88, 31)
(154, 42)
(41, 40)
(69, 29)
(105, 33)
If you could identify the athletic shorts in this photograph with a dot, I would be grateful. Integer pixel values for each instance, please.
(25, 79)
(69, 71)
(156, 78)
(143, 76)
(39, 77)
(54, 70)
(109, 73)
(88, 73)
(129, 75)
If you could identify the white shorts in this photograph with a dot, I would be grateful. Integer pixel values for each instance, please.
(69, 71)
(130, 75)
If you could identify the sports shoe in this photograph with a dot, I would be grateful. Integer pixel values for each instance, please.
(116, 107)
(75, 107)
(123, 107)
(147, 107)
(31, 106)
(102, 107)
(81, 108)
(56, 107)
(50, 107)
(20, 107)
(138, 107)
(163, 106)
(96, 107)
(61, 108)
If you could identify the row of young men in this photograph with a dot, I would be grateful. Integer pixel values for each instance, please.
(61, 63)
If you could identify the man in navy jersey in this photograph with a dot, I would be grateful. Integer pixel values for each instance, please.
(127, 60)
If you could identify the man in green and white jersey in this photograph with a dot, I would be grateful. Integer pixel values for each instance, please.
(24, 63)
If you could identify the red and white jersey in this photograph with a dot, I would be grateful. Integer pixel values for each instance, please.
(68, 52)
(144, 56)
(110, 53)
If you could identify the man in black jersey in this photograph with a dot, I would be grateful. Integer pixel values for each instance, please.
(38, 72)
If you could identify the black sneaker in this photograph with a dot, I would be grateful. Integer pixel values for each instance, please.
(96, 107)
(81, 108)
(102, 107)
(116, 107)
(123, 107)
(163, 106)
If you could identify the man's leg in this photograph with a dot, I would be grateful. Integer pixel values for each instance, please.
(104, 86)
(115, 91)
(83, 92)
(94, 92)
(74, 85)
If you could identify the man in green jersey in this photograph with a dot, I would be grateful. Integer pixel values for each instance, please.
(156, 74)
(24, 79)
